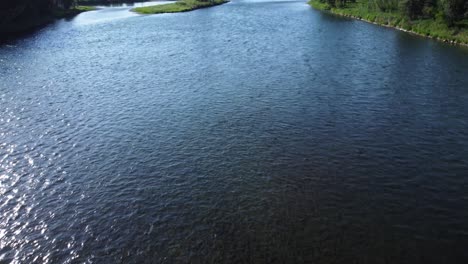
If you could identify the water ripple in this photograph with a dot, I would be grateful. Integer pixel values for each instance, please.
(212, 137)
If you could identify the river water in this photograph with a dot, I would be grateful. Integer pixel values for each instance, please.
(252, 132)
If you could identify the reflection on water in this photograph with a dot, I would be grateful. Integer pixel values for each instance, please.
(135, 4)
(260, 132)
(108, 13)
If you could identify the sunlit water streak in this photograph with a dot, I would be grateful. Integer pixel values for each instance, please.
(105, 14)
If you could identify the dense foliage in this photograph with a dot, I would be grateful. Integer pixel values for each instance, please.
(20, 15)
(448, 10)
(17, 10)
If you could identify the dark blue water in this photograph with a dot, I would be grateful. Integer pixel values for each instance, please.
(252, 132)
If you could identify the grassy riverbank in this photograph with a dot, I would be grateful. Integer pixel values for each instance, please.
(64, 13)
(179, 6)
(435, 28)
(107, 2)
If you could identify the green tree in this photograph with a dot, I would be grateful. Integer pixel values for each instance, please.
(412, 8)
(453, 10)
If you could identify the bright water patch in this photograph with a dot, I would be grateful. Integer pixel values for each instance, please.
(109, 13)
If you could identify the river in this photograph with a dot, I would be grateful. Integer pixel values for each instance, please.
(252, 132)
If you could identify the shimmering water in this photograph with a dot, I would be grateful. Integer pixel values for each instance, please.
(253, 132)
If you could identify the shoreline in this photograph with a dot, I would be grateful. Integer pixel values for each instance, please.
(325, 8)
(177, 7)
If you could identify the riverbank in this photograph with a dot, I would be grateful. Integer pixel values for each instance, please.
(431, 28)
(179, 6)
(108, 2)
(61, 13)
(28, 23)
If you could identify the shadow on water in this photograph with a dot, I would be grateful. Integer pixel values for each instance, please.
(6, 38)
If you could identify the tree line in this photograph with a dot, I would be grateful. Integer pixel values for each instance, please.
(18, 11)
(450, 11)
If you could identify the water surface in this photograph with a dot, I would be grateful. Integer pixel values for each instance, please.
(252, 132)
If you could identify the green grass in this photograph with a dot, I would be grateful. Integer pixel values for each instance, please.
(179, 6)
(435, 28)
(85, 8)
(62, 13)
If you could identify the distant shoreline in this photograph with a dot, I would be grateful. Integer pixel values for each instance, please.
(177, 7)
(108, 2)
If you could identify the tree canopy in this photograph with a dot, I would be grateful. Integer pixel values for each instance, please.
(21, 14)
